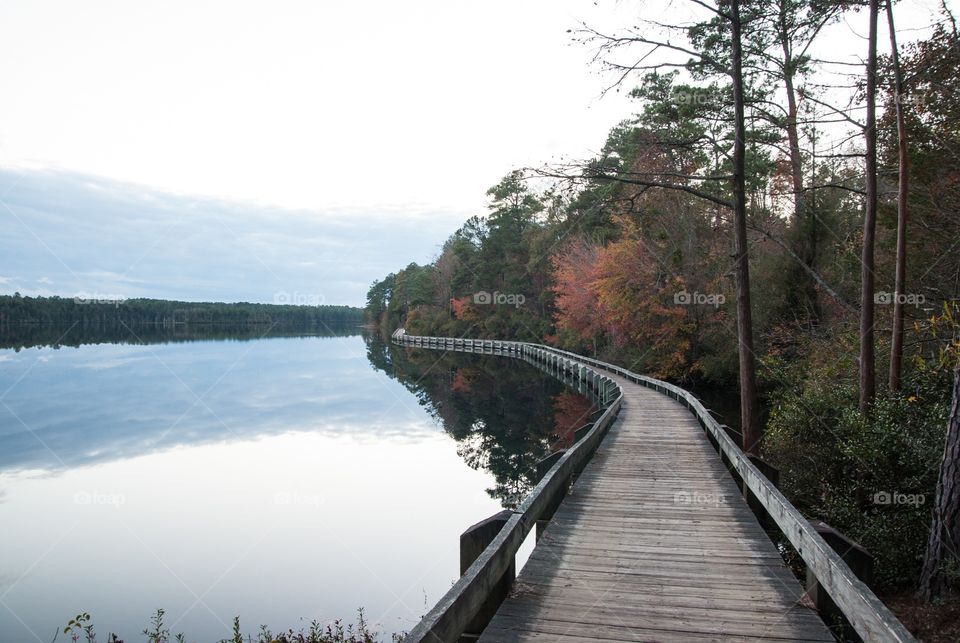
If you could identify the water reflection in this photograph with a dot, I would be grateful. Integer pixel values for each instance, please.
(21, 336)
(151, 388)
(504, 413)
(67, 407)
(170, 470)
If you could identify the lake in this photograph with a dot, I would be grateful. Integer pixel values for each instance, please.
(219, 472)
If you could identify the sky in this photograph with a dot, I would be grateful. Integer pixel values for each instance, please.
(236, 151)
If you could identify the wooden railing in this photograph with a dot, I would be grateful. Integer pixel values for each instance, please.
(867, 615)
(452, 615)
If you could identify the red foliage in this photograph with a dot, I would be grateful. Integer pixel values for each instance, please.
(622, 291)
(461, 306)
(570, 412)
(461, 381)
(576, 301)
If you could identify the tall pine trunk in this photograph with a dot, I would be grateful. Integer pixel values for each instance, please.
(867, 357)
(748, 385)
(903, 176)
(805, 232)
(944, 540)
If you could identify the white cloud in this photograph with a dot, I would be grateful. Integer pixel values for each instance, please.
(103, 239)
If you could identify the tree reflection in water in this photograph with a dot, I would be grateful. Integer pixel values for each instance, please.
(505, 414)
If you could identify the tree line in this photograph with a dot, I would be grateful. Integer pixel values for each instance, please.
(766, 219)
(16, 310)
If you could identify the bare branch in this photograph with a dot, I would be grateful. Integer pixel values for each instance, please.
(585, 175)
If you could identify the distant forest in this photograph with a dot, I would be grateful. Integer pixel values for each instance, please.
(17, 310)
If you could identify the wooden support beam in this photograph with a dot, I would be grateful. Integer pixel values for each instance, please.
(472, 544)
(860, 562)
(543, 466)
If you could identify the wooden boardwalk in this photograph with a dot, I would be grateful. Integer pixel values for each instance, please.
(655, 543)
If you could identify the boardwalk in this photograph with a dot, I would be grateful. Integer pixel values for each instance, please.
(655, 543)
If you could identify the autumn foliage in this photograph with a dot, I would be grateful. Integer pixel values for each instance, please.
(623, 292)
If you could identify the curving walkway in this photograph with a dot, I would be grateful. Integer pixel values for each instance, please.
(655, 543)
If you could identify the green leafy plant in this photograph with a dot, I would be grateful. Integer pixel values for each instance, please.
(80, 626)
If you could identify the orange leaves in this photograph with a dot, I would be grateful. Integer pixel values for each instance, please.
(570, 412)
(621, 290)
(575, 273)
(461, 381)
(636, 295)
(461, 307)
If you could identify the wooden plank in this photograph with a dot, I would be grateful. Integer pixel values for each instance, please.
(675, 593)
(789, 592)
(662, 630)
(700, 618)
(498, 635)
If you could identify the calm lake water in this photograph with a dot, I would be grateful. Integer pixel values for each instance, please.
(282, 479)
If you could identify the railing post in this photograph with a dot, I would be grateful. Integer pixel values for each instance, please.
(543, 466)
(582, 431)
(858, 559)
(472, 543)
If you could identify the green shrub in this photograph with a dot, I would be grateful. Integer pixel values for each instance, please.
(872, 478)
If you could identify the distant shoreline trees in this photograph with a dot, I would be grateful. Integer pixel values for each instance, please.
(18, 310)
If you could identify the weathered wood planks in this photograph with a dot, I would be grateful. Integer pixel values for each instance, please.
(654, 542)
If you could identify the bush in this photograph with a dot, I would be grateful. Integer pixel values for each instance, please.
(873, 478)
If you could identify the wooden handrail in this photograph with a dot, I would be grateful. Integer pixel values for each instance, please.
(867, 614)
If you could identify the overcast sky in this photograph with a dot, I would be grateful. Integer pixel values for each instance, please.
(233, 150)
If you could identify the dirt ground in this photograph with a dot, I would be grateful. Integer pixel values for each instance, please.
(929, 623)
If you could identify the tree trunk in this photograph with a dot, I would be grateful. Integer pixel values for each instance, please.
(748, 385)
(945, 529)
(867, 357)
(805, 234)
(896, 341)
